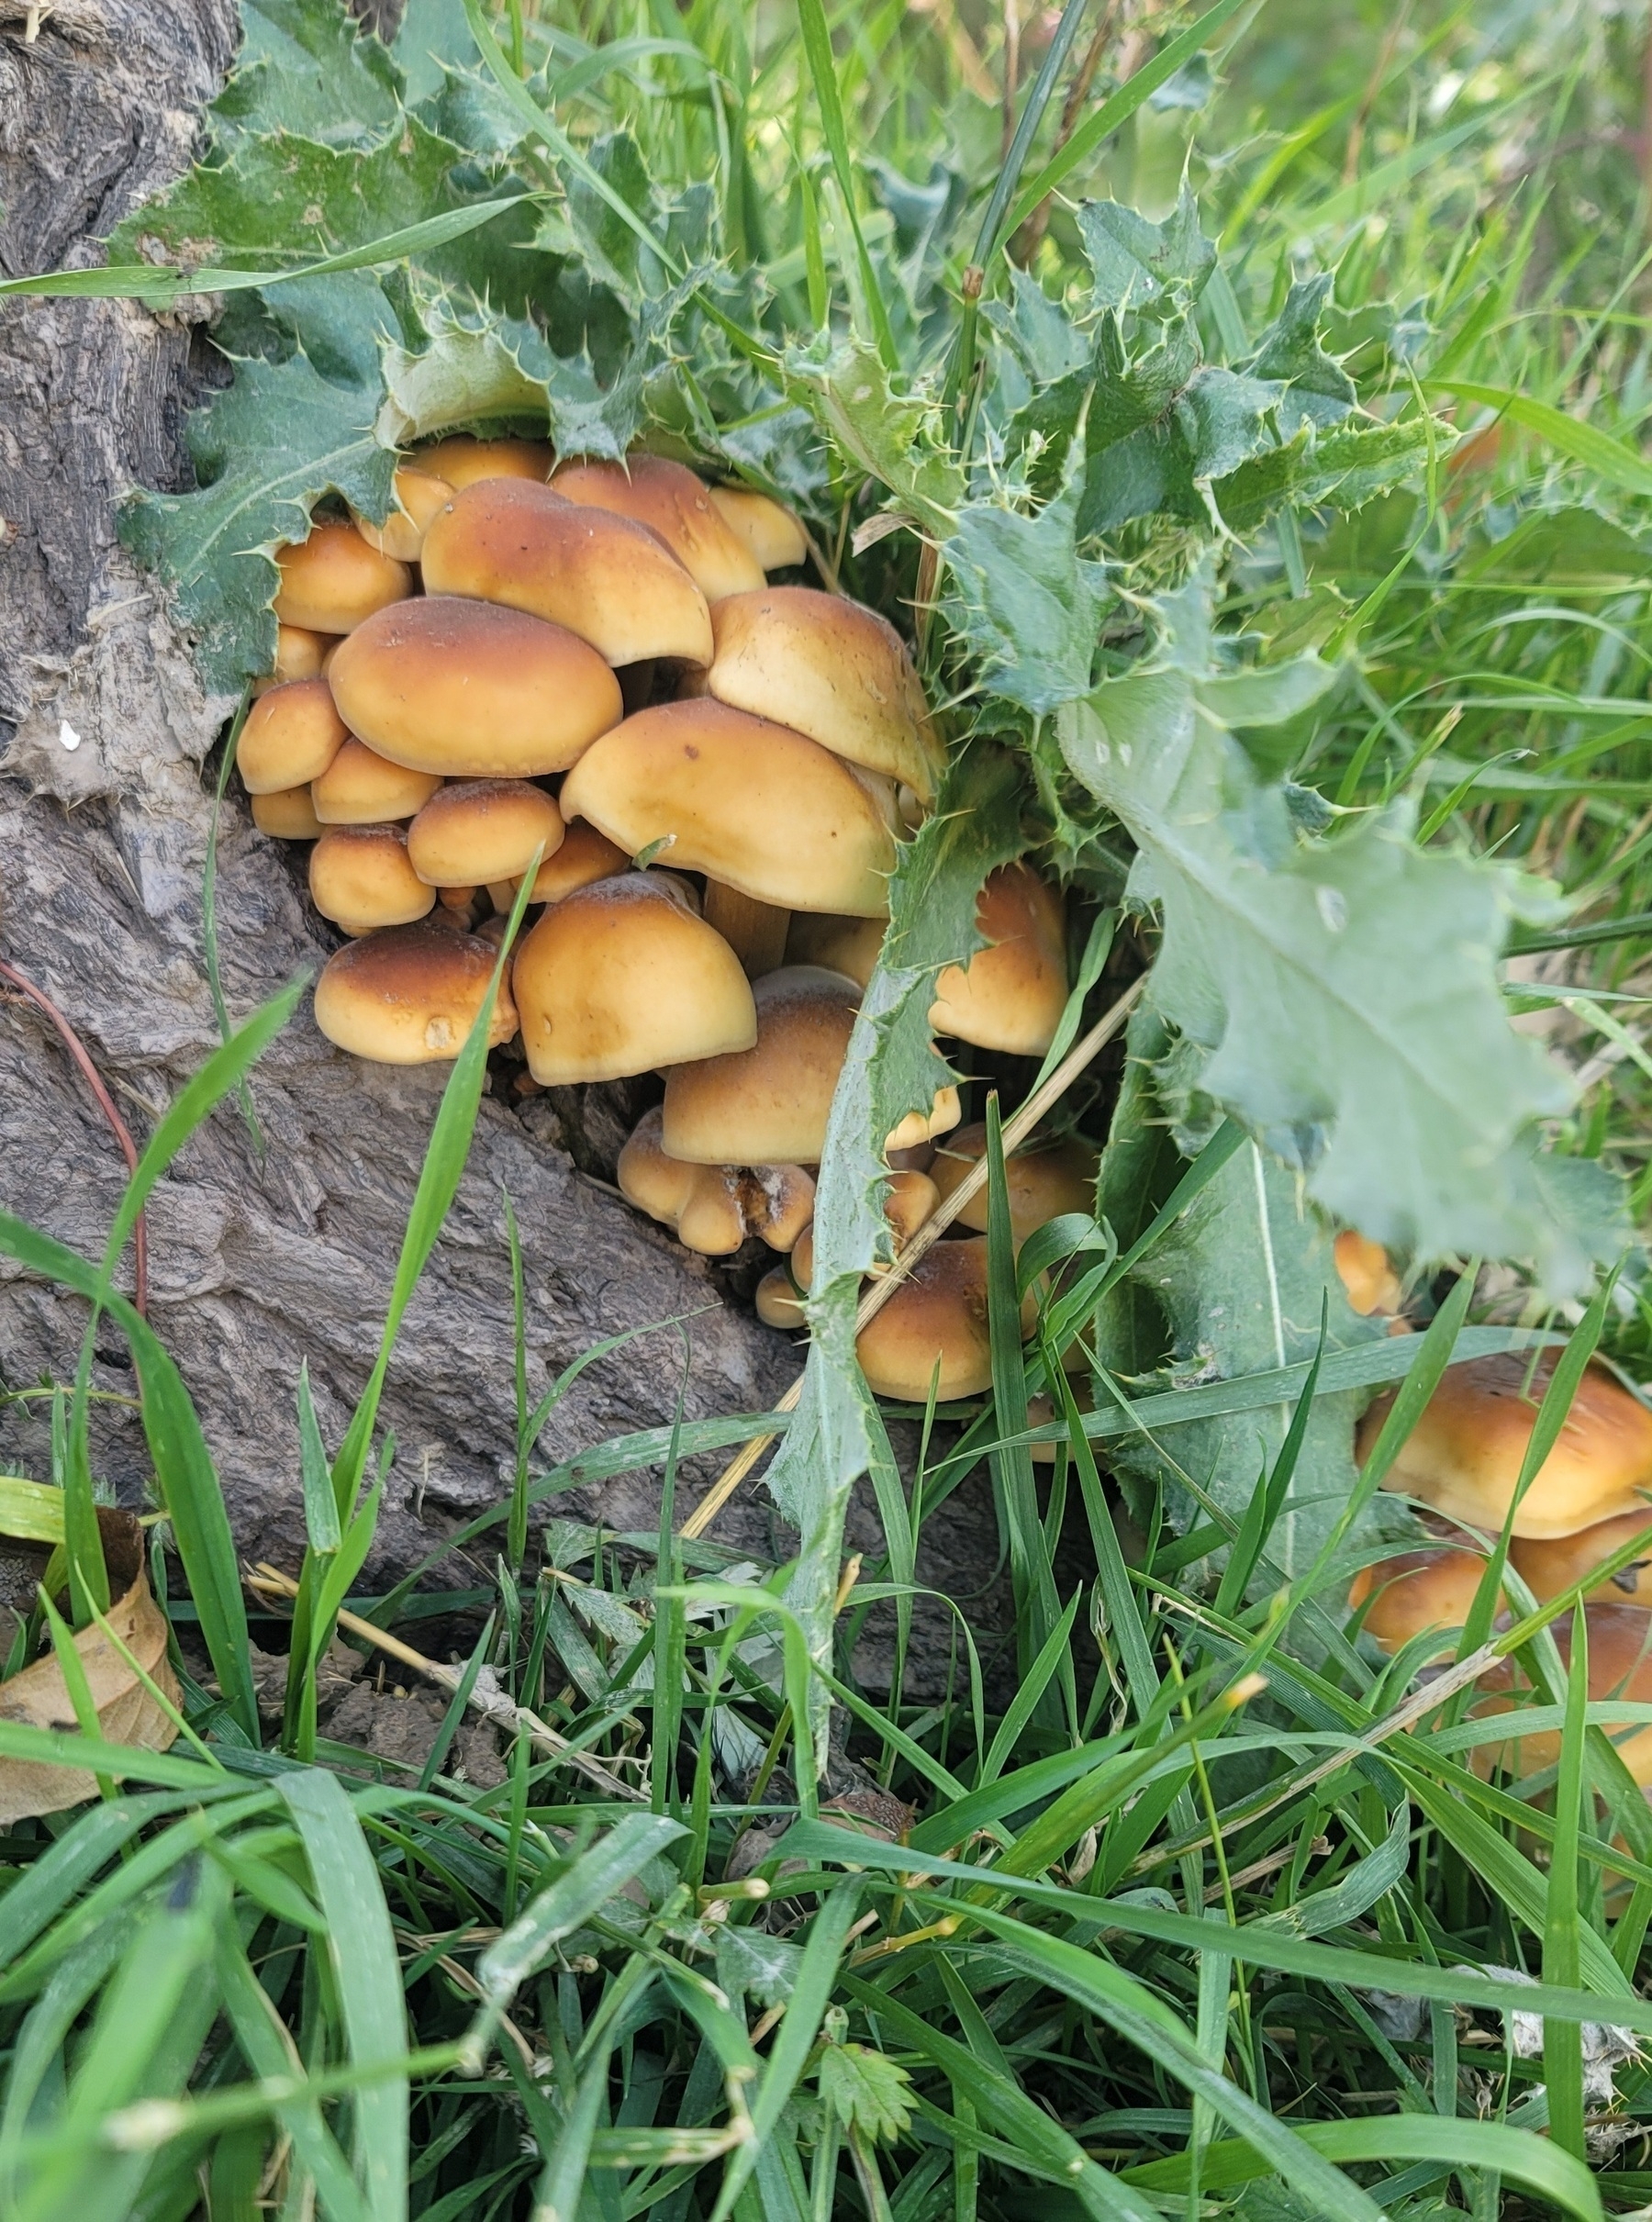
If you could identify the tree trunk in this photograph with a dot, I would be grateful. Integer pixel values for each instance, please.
(257, 1263)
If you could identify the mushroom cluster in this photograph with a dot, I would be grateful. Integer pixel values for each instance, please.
(586, 663)
(1589, 1500)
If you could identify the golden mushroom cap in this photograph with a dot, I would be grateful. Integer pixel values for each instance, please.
(776, 1300)
(937, 1316)
(774, 536)
(1620, 1666)
(672, 501)
(780, 1200)
(849, 945)
(461, 460)
(1367, 1274)
(1011, 994)
(768, 1104)
(288, 814)
(333, 580)
(760, 808)
(471, 690)
(713, 1208)
(417, 496)
(1416, 1592)
(1048, 1174)
(1549, 1567)
(359, 878)
(585, 855)
(411, 995)
(291, 735)
(920, 1127)
(477, 831)
(362, 787)
(830, 668)
(612, 582)
(621, 977)
(1464, 1455)
(299, 654)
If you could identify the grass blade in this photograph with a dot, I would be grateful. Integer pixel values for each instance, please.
(1562, 1930)
(822, 71)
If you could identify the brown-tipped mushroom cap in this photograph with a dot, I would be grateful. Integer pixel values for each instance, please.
(919, 1127)
(461, 460)
(780, 1200)
(1548, 1567)
(1011, 994)
(829, 668)
(482, 829)
(842, 944)
(1046, 1176)
(1417, 1591)
(585, 855)
(758, 808)
(621, 977)
(359, 878)
(1620, 1666)
(362, 787)
(287, 815)
(778, 1301)
(472, 691)
(668, 498)
(938, 1317)
(417, 496)
(613, 583)
(1366, 1275)
(290, 737)
(411, 995)
(1464, 1455)
(768, 1104)
(333, 580)
(774, 536)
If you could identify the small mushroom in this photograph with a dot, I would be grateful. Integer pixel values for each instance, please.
(1416, 1592)
(1464, 1455)
(299, 654)
(362, 787)
(830, 668)
(774, 536)
(1548, 1567)
(1620, 1668)
(909, 1199)
(758, 808)
(472, 691)
(672, 501)
(360, 878)
(778, 1301)
(713, 1208)
(410, 995)
(478, 830)
(842, 944)
(287, 815)
(1010, 995)
(417, 496)
(461, 460)
(621, 977)
(333, 581)
(768, 1103)
(934, 1326)
(612, 582)
(290, 737)
(1367, 1274)
(1048, 1175)
(920, 1127)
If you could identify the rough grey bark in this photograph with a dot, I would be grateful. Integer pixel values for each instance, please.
(104, 825)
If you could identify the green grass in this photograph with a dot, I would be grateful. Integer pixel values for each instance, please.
(1202, 1909)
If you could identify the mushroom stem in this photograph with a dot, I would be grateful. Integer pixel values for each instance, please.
(755, 931)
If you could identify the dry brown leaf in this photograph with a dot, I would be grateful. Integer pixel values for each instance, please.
(127, 1713)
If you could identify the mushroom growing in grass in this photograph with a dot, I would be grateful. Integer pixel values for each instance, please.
(472, 691)
(362, 787)
(1415, 1593)
(1010, 995)
(936, 1327)
(909, 1199)
(1367, 1273)
(832, 669)
(758, 808)
(1549, 1567)
(623, 976)
(291, 735)
(612, 582)
(1620, 1668)
(773, 534)
(713, 1208)
(1463, 1458)
(360, 878)
(410, 995)
(478, 830)
(1048, 1175)
(671, 500)
(333, 581)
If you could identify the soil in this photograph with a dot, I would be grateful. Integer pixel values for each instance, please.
(259, 1261)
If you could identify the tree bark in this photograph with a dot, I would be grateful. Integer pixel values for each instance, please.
(258, 1263)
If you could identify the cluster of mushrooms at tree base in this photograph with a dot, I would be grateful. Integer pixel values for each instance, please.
(588, 665)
